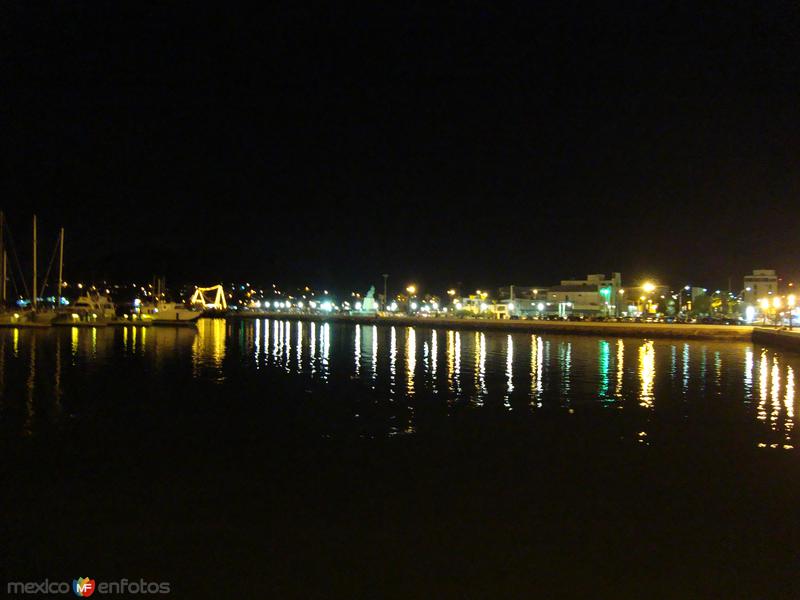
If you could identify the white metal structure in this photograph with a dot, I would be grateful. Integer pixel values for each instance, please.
(200, 297)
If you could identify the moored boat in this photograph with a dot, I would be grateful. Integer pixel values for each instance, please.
(168, 313)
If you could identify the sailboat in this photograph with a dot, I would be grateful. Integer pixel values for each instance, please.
(31, 316)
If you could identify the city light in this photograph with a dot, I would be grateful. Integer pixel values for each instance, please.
(648, 287)
(412, 289)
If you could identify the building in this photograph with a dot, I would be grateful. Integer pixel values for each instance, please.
(594, 296)
(762, 283)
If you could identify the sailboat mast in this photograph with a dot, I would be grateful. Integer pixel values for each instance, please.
(33, 302)
(60, 269)
(3, 257)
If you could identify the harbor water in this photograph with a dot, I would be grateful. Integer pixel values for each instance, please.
(346, 459)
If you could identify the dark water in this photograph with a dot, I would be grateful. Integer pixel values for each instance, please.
(282, 459)
(396, 379)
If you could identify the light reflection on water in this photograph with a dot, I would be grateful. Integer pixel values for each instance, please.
(729, 384)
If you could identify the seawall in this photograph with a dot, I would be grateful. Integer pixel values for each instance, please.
(781, 338)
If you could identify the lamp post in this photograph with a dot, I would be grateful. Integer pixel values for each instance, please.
(791, 301)
(411, 289)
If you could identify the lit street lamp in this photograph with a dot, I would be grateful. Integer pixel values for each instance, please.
(411, 289)
(764, 303)
(790, 302)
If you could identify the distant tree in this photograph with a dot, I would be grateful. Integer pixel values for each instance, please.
(666, 306)
(701, 305)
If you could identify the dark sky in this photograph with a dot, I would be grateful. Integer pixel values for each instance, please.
(479, 143)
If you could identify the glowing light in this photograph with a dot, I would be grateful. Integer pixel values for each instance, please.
(413, 306)
(764, 302)
(540, 306)
(358, 305)
(510, 306)
(791, 300)
(750, 314)
(776, 302)
(412, 289)
(648, 287)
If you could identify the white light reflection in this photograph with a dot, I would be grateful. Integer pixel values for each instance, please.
(393, 361)
(299, 349)
(357, 351)
(312, 347)
(257, 353)
(537, 363)
(411, 359)
(480, 365)
(748, 375)
(434, 359)
(374, 333)
(325, 349)
(509, 369)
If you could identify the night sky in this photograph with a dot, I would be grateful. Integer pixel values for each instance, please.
(476, 144)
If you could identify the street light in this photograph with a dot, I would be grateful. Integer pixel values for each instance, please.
(648, 287)
(764, 303)
(791, 301)
(412, 289)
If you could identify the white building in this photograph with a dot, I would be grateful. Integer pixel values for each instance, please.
(761, 284)
(595, 295)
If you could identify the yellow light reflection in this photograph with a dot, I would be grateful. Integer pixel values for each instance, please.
(647, 372)
(620, 368)
(763, 375)
(208, 347)
(392, 360)
(776, 394)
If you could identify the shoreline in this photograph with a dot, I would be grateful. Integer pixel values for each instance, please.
(654, 330)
